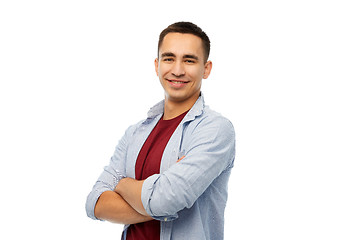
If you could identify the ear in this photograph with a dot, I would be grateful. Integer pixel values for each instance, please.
(157, 66)
(207, 71)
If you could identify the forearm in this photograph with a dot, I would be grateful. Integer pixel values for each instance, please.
(113, 208)
(130, 190)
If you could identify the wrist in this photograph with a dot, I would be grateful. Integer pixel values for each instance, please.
(122, 179)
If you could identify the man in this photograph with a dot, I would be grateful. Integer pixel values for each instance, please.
(168, 176)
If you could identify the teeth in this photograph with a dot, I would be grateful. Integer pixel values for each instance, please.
(177, 82)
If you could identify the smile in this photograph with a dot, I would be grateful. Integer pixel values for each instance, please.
(177, 81)
(177, 84)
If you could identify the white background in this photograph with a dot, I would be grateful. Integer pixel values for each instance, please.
(75, 74)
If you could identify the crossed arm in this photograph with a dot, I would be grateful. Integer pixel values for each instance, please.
(166, 194)
(123, 205)
(113, 207)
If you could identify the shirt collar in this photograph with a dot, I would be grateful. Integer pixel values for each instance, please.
(195, 111)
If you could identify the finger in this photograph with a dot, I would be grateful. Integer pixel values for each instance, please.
(180, 159)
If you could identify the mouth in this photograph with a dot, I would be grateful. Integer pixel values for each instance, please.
(177, 83)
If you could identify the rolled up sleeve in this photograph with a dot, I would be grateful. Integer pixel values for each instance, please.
(210, 150)
(110, 177)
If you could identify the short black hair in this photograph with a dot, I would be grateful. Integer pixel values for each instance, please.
(187, 27)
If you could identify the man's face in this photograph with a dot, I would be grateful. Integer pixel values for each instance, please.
(181, 66)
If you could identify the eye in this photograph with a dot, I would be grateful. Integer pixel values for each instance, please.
(168, 59)
(190, 61)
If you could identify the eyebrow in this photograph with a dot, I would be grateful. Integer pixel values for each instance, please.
(167, 54)
(191, 56)
(170, 54)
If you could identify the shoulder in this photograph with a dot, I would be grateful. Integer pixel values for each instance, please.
(213, 118)
(216, 117)
(211, 132)
(132, 129)
(212, 122)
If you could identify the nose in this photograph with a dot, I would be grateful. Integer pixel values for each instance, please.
(178, 69)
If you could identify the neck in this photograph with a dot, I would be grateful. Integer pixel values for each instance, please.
(173, 109)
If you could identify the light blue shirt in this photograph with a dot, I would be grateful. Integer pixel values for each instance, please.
(188, 197)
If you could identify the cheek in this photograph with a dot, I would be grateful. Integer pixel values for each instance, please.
(196, 73)
(163, 70)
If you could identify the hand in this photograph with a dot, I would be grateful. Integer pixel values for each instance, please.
(180, 159)
(130, 190)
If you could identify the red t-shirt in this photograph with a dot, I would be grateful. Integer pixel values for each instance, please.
(147, 164)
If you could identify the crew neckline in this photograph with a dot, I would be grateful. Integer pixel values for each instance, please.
(175, 118)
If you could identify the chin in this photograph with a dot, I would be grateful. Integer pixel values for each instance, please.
(176, 97)
(180, 96)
